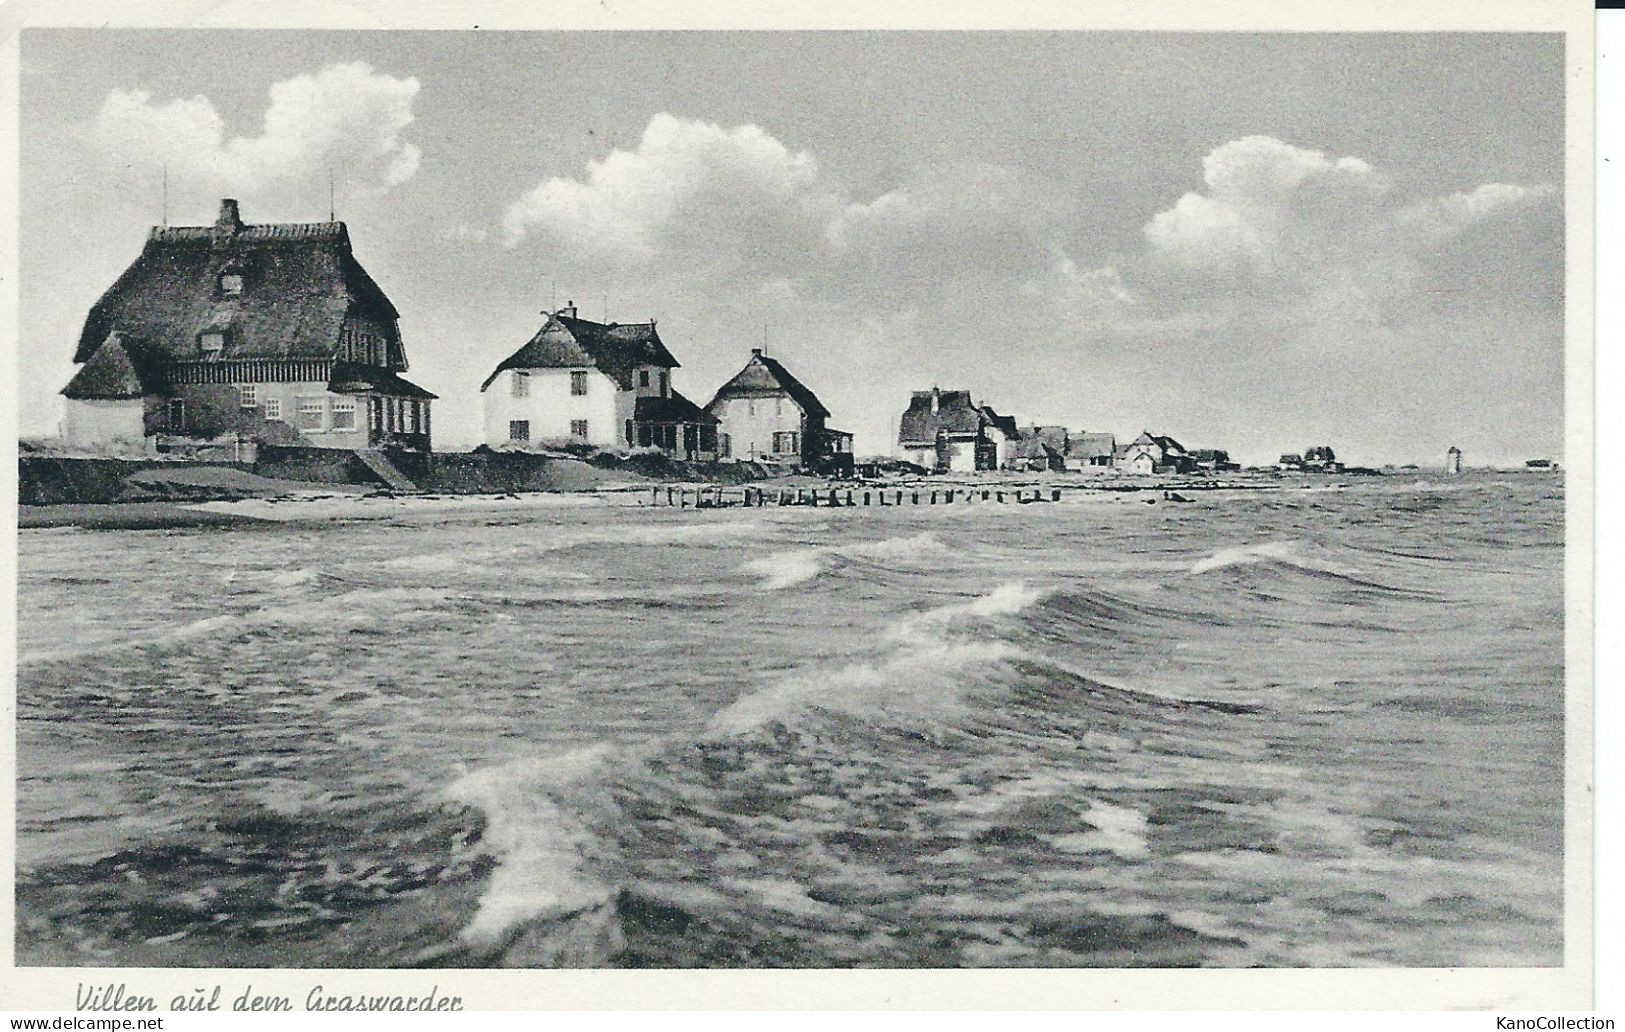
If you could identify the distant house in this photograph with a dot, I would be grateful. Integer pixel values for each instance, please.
(1086, 450)
(945, 430)
(1321, 458)
(1215, 460)
(603, 384)
(1289, 461)
(1452, 460)
(1152, 453)
(269, 333)
(767, 415)
(1004, 434)
(1041, 448)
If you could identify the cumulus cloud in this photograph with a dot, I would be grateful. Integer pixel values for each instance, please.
(686, 182)
(700, 196)
(1276, 211)
(346, 116)
(1303, 234)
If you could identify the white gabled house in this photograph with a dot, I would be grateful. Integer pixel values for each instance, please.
(603, 384)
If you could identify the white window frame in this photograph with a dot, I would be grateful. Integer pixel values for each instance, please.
(247, 396)
(271, 409)
(338, 405)
(512, 423)
(310, 403)
(578, 428)
(578, 378)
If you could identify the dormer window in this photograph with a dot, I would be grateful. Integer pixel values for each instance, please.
(213, 343)
(231, 283)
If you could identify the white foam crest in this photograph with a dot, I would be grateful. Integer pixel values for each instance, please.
(1243, 555)
(905, 688)
(787, 569)
(541, 845)
(798, 566)
(932, 624)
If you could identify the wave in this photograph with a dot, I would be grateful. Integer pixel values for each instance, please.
(347, 609)
(1287, 552)
(789, 568)
(544, 899)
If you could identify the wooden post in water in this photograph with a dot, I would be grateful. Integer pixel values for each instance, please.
(1055, 495)
(849, 498)
(833, 501)
(865, 498)
(986, 495)
(950, 499)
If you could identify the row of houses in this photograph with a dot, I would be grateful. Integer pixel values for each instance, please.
(275, 334)
(946, 431)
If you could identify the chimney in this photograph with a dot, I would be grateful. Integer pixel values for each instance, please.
(228, 222)
(756, 352)
(569, 309)
(936, 397)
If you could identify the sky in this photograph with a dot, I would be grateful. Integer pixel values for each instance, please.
(1256, 242)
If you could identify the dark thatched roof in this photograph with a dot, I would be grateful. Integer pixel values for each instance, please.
(765, 377)
(300, 282)
(954, 414)
(566, 342)
(354, 378)
(1167, 445)
(1004, 424)
(1089, 446)
(673, 409)
(116, 370)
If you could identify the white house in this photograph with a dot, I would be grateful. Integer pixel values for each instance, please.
(603, 384)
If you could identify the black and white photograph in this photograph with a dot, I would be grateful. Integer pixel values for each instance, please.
(716, 499)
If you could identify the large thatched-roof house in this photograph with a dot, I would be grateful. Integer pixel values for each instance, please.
(767, 415)
(261, 333)
(945, 430)
(604, 384)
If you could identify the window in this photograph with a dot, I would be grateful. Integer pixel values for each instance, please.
(578, 428)
(231, 283)
(247, 396)
(518, 429)
(312, 413)
(177, 414)
(273, 409)
(643, 377)
(375, 412)
(631, 434)
(665, 379)
(727, 446)
(521, 385)
(212, 343)
(413, 423)
(578, 383)
(784, 442)
(343, 413)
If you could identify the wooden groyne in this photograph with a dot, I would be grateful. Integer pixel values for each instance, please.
(718, 497)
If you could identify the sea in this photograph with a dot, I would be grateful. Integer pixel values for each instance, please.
(1319, 724)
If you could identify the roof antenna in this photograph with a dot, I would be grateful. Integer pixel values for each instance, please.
(166, 195)
(330, 208)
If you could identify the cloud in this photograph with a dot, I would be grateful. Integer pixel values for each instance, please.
(738, 202)
(1296, 232)
(346, 117)
(686, 185)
